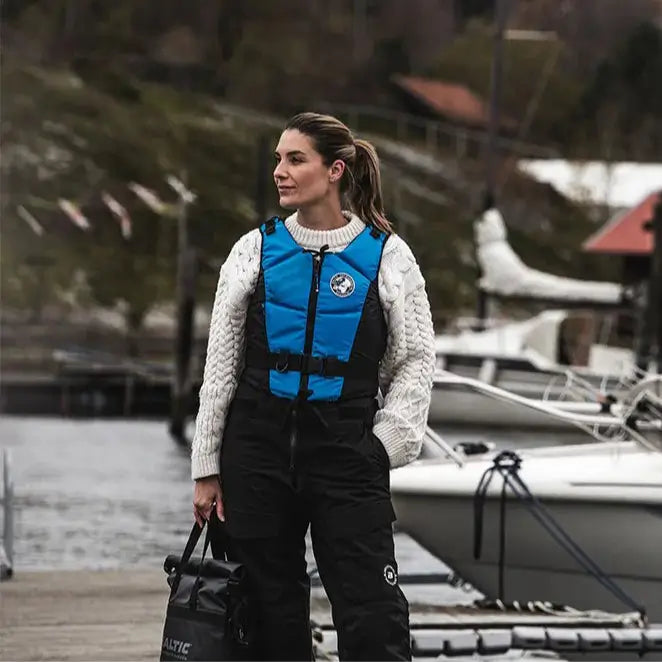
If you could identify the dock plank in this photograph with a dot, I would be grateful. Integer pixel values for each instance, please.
(82, 615)
(118, 615)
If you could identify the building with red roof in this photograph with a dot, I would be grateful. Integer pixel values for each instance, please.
(450, 101)
(625, 233)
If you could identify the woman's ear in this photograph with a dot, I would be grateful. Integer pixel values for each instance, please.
(336, 170)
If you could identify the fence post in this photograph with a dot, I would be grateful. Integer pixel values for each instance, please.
(7, 547)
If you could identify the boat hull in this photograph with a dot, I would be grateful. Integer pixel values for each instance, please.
(458, 404)
(455, 404)
(624, 539)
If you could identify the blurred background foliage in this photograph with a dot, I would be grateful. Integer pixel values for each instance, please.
(98, 95)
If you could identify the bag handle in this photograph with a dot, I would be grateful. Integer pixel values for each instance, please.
(222, 538)
(219, 543)
(192, 541)
(186, 555)
(193, 600)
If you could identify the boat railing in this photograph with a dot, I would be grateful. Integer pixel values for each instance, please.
(446, 449)
(573, 387)
(600, 426)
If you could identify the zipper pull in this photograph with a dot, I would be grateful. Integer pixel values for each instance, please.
(318, 266)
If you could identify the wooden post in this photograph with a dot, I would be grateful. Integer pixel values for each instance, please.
(483, 302)
(7, 547)
(186, 276)
(655, 287)
(184, 346)
(648, 346)
(129, 382)
(481, 311)
(501, 10)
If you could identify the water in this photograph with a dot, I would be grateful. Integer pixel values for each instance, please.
(109, 494)
(96, 494)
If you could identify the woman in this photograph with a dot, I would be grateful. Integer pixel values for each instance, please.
(312, 315)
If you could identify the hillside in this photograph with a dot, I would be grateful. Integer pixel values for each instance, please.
(67, 138)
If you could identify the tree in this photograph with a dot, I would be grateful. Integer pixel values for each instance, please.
(622, 104)
(65, 139)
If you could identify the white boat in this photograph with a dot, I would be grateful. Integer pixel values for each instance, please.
(606, 496)
(637, 415)
(458, 399)
(561, 355)
(526, 358)
(455, 403)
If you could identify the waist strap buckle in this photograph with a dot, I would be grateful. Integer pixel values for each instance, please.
(282, 363)
(313, 365)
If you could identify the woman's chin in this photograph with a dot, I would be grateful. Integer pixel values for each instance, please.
(287, 202)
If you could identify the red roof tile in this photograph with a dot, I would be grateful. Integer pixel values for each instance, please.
(454, 101)
(624, 234)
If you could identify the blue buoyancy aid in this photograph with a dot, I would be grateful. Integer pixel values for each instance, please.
(315, 328)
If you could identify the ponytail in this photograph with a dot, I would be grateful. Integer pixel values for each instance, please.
(365, 189)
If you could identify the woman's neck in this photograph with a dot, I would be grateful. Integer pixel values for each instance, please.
(322, 216)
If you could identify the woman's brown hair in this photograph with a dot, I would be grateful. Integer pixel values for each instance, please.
(361, 182)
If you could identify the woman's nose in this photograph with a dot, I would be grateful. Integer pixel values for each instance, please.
(279, 171)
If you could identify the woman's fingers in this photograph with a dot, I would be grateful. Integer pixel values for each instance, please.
(208, 496)
(219, 510)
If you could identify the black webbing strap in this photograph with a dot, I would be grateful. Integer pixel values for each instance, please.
(307, 364)
(270, 225)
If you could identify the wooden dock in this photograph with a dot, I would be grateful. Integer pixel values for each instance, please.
(118, 615)
(82, 615)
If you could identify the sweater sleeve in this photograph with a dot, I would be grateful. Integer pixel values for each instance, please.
(225, 351)
(407, 368)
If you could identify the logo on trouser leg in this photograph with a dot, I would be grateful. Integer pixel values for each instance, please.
(390, 575)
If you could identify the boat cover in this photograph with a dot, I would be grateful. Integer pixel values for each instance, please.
(504, 273)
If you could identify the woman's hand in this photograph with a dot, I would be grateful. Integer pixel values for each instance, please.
(207, 494)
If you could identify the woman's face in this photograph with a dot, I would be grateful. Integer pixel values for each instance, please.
(301, 177)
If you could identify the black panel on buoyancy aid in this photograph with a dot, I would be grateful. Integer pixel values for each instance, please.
(315, 327)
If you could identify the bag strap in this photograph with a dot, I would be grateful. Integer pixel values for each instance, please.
(192, 541)
(193, 599)
(213, 521)
(219, 539)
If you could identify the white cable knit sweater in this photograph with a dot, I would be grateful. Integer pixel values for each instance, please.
(406, 369)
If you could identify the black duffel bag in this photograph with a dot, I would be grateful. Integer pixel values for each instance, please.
(209, 614)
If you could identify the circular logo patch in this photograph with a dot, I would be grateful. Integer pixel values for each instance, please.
(342, 285)
(390, 575)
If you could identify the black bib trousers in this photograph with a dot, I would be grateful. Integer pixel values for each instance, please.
(332, 474)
